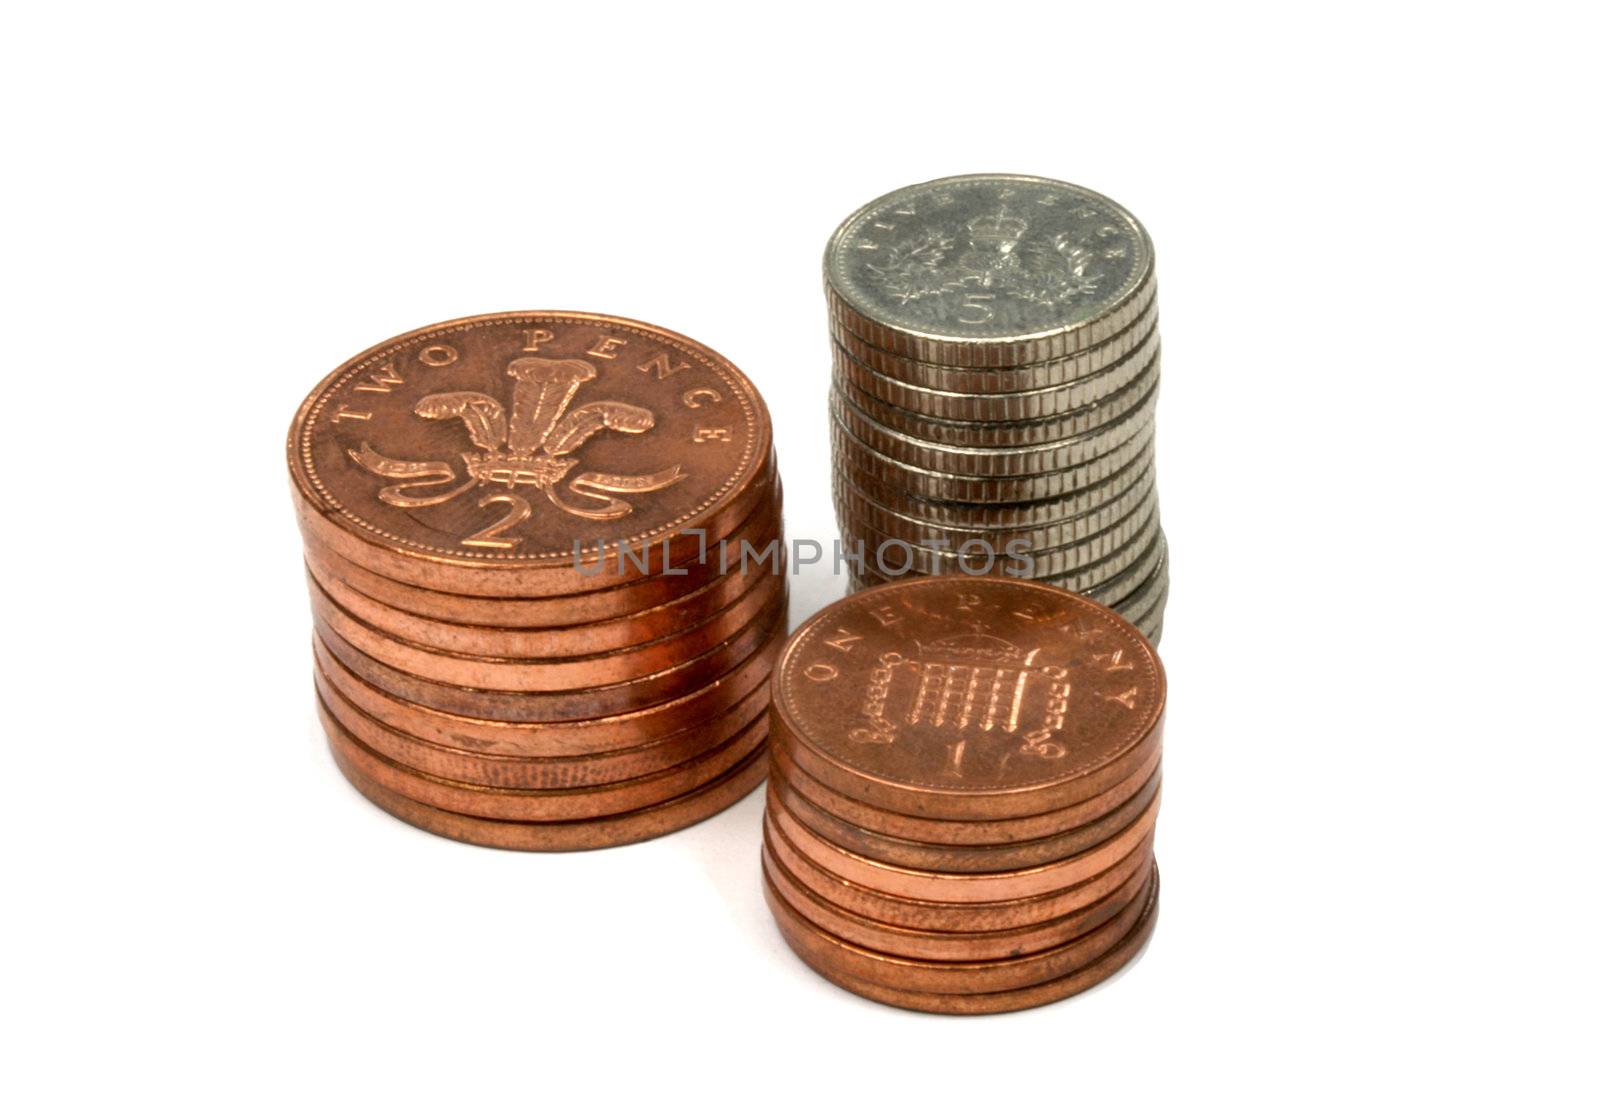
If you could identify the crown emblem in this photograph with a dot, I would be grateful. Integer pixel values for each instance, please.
(975, 648)
(1027, 282)
(998, 229)
(532, 447)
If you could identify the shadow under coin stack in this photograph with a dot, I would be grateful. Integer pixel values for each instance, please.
(995, 369)
(962, 806)
(527, 632)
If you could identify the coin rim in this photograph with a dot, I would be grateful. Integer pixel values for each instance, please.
(566, 836)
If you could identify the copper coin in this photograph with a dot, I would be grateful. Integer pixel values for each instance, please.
(561, 673)
(1002, 1001)
(690, 609)
(891, 909)
(529, 773)
(1114, 779)
(966, 698)
(489, 455)
(503, 803)
(545, 706)
(1144, 607)
(654, 600)
(924, 944)
(618, 735)
(960, 858)
(609, 635)
(978, 976)
(930, 831)
(989, 886)
(567, 836)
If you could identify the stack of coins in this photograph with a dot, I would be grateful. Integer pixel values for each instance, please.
(995, 367)
(964, 786)
(545, 561)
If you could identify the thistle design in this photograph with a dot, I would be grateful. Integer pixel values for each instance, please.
(532, 449)
(910, 270)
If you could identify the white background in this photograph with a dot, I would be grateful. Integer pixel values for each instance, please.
(1376, 238)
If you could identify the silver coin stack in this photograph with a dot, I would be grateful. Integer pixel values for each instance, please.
(995, 370)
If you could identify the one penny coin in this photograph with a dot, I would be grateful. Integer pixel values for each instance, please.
(1002, 1001)
(925, 830)
(968, 699)
(960, 858)
(892, 909)
(954, 977)
(958, 946)
(937, 886)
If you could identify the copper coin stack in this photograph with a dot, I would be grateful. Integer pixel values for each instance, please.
(965, 778)
(995, 370)
(532, 546)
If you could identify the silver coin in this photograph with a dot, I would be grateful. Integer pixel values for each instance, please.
(1111, 592)
(1055, 401)
(928, 483)
(1010, 461)
(1148, 550)
(1064, 547)
(1121, 589)
(1112, 527)
(1096, 557)
(995, 381)
(1065, 510)
(1150, 624)
(920, 530)
(1149, 621)
(1001, 432)
(989, 269)
(1149, 598)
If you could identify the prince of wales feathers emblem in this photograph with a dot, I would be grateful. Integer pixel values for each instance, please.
(533, 449)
